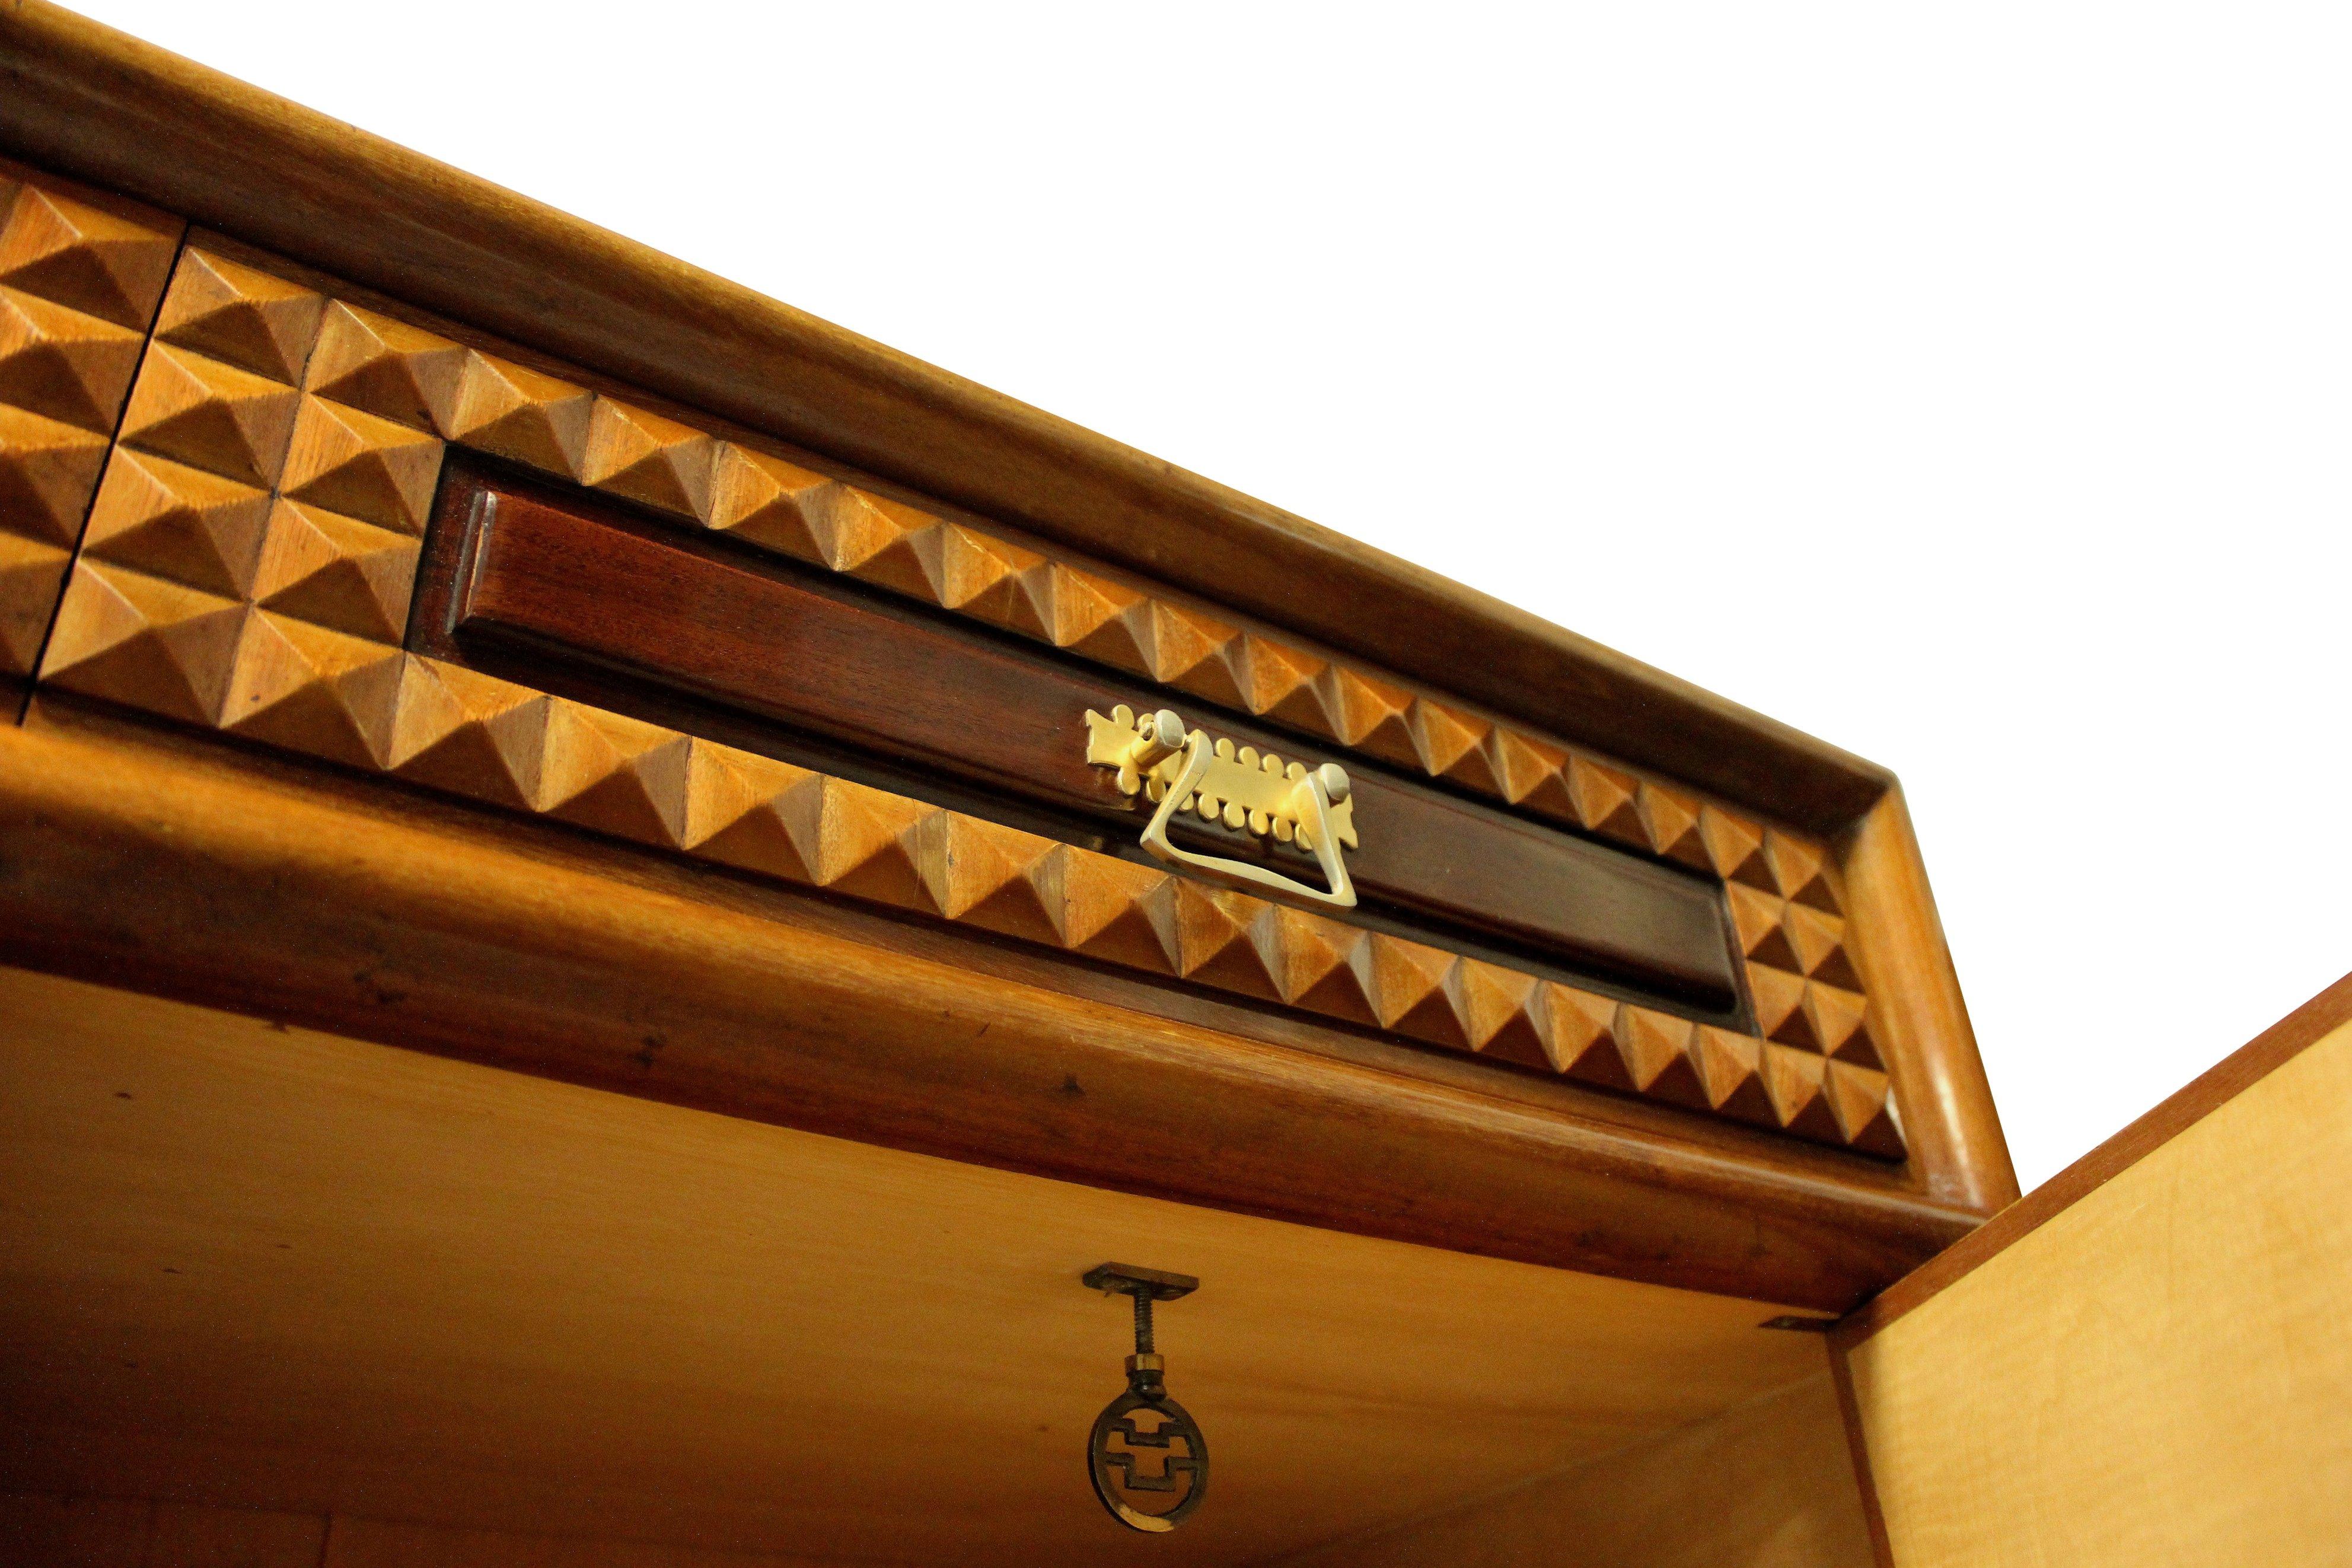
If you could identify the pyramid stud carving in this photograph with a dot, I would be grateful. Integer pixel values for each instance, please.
(615, 774)
(740, 810)
(1734, 848)
(384, 367)
(665, 465)
(336, 572)
(1603, 799)
(1120, 912)
(1796, 1082)
(1369, 715)
(32, 571)
(901, 549)
(1584, 1037)
(1002, 880)
(1408, 994)
(1530, 773)
(1779, 998)
(1660, 1056)
(516, 412)
(1499, 1010)
(1214, 945)
(1798, 871)
(1027, 604)
(362, 465)
(1316, 965)
(171, 520)
(468, 733)
(1863, 1109)
(1112, 624)
(210, 415)
(144, 642)
(1449, 743)
(768, 503)
(870, 845)
(1197, 654)
(1838, 1021)
(1818, 942)
(1731, 1072)
(65, 363)
(105, 263)
(47, 469)
(1756, 918)
(315, 692)
(1670, 822)
(1281, 684)
(247, 319)
(981, 576)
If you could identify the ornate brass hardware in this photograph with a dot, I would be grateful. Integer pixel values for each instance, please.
(1290, 802)
(1160, 1462)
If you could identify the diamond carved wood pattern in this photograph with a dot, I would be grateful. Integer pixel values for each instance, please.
(255, 543)
(81, 275)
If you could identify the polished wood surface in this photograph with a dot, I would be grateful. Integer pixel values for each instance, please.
(2157, 1371)
(251, 1265)
(354, 910)
(547, 570)
(1764, 1485)
(1949, 1118)
(2185, 1108)
(107, 108)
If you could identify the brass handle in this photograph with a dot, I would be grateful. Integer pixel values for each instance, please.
(1289, 802)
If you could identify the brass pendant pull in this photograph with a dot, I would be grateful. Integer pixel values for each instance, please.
(1287, 801)
(1149, 1462)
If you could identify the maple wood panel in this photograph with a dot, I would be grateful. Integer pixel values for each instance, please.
(2153, 1373)
(563, 1310)
(1766, 1484)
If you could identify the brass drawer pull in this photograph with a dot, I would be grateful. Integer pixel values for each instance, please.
(1290, 802)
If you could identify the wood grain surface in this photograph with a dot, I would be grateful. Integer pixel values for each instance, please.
(2155, 1373)
(1766, 1484)
(110, 109)
(266, 893)
(248, 1265)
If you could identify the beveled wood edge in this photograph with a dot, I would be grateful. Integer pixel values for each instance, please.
(1873, 1517)
(1941, 1092)
(105, 107)
(199, 878)
(2233, 1076)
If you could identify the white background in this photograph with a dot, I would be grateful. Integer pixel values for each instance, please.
(1966, 386)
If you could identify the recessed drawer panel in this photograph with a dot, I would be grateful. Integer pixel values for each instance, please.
(574, 577)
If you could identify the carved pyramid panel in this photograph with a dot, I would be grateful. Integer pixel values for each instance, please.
(80, 274)
(254, 547)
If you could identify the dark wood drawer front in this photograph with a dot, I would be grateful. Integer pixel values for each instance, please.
(575, 577)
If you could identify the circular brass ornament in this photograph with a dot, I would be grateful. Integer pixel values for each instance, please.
(1164, 1457)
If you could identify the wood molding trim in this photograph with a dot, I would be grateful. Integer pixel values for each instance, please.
(2265, 1054)
(197, 876)
(110, 109)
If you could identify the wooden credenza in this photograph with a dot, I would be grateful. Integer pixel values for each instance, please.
(600, 924)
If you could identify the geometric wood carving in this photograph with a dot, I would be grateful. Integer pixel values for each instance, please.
(254, 546)
(81, 273)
